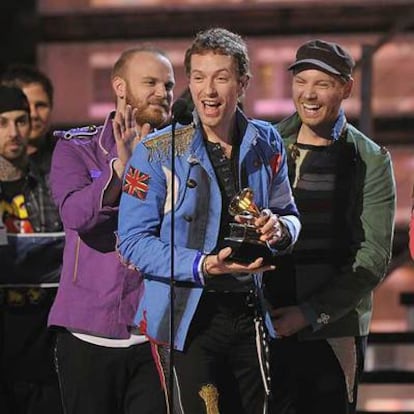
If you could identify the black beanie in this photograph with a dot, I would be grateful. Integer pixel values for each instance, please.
(12, 99)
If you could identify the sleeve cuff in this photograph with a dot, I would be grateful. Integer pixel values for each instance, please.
(310, 316)
(198, 268)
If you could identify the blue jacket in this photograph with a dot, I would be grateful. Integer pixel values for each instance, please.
(145, 214)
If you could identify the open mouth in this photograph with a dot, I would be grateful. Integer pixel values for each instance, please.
(211, 108)
(311, 108)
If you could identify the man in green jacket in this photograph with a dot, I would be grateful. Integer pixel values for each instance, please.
(321, 294)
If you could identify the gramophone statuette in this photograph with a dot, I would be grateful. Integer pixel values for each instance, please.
(244, 238)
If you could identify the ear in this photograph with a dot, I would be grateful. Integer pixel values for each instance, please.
(119, 87)
(348, 88)
(243, 84)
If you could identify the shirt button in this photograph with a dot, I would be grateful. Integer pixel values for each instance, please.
(188, 218)
(191, 183)
(323, 318)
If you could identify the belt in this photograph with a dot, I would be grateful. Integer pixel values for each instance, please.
(229, 298)
(18, 297)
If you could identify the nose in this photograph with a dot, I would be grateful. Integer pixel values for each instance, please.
(34, 113)
(309, 92)
(161, 90)
(210, 87)
(12, 130)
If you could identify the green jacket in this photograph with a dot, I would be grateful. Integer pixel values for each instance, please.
(342, 305)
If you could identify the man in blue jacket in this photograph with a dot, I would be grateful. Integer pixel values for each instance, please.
(218, 312)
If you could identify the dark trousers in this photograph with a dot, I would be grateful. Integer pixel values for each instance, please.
(23, 397)
(307, 378)
(28, 380)
(219, 371)
(101, 380)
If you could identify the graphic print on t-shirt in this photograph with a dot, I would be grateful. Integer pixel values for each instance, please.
(14, 215)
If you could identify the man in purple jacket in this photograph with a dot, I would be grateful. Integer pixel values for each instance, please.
(103, 365)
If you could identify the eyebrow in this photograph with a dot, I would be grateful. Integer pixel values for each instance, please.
(22, 117)
(41, 101)
(297, 76)
(215, 72)
(17, 119)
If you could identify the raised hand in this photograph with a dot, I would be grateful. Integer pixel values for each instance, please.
(127, 132)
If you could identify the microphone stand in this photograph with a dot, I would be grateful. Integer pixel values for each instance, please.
(172, 280)
(181, 114)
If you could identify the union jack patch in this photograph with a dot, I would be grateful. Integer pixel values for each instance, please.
(136, 183)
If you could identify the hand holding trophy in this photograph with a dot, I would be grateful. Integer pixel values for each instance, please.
(244, 238)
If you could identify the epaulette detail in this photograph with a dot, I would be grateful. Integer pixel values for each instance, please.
(80, 132)
(159, 147)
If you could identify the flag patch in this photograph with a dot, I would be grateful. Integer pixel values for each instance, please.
(275, 162)
(136, 183)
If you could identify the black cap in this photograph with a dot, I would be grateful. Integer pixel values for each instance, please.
(12, 99)
(326, 56)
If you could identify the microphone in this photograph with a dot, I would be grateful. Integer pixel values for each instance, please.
(181, 112)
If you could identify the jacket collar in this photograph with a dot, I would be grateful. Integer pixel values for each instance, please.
(289, 127)
(246, 130)
(106, 138)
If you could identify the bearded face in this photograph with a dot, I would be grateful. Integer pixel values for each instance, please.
(149, 84)
(152, 109)
(14, 134)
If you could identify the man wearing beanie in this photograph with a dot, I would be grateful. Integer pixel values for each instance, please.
(31, 245)
(38, 89)
(321, 294)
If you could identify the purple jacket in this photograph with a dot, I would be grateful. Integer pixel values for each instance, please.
(97, 294)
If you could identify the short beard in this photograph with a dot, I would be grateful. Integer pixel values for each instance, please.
(12, 170)
(155, 119)
(145, 115)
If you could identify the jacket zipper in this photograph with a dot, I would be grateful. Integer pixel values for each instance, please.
(75, 270)
(42, 210)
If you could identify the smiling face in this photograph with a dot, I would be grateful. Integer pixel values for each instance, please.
(14, 134)
(147, 84)
(40, 110)
(215, 87)
(318, 97)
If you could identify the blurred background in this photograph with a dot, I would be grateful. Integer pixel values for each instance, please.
(76, 42)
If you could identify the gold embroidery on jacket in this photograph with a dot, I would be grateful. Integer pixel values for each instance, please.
(209, 394)
(160, 147)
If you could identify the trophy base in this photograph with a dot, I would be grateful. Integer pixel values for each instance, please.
(247, 252)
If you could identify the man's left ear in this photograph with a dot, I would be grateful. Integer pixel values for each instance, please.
(348, 88)
(243, 84)
(119, 87)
